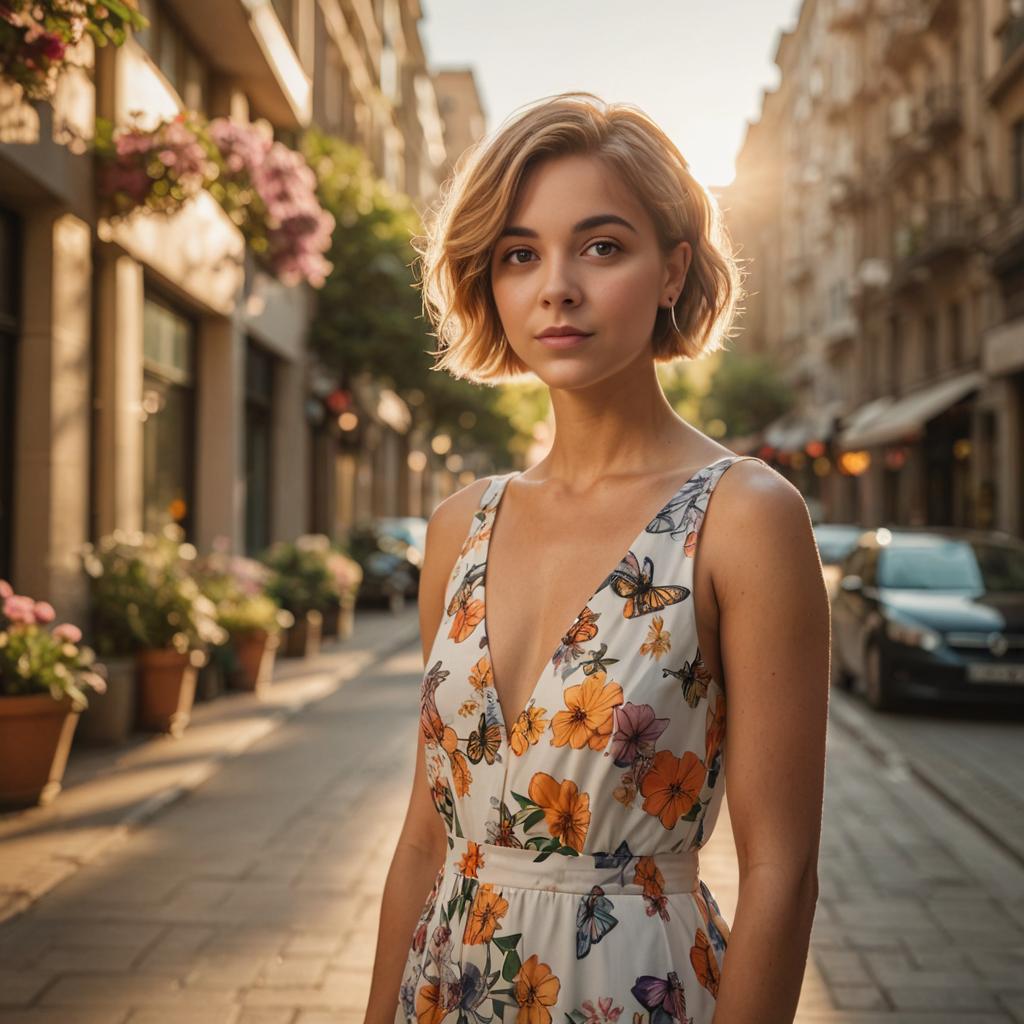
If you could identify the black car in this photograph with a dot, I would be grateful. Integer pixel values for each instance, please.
(933, 613)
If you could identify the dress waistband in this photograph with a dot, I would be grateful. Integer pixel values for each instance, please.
(627, 874)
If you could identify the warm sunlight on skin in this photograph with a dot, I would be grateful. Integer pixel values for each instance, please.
(608, 278)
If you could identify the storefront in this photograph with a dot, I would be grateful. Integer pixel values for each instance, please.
(9, 248)
(258, 440)
(169, 416)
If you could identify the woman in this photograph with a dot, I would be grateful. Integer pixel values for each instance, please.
(569, 769)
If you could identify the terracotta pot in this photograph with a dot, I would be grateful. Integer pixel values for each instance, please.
(256, 651)
(167, 689)
(35, 738)
(304, 637)
(346, 619)
(110, 716)
(329, 627)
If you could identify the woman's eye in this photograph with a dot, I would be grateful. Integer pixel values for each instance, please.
(612, 244)
(509, 255)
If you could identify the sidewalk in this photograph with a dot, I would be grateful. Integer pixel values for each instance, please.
(256, 900)
(108, 791)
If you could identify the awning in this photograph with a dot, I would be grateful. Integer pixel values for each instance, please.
(904, 418)
(793, 430)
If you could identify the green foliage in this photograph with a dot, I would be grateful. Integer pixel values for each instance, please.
(144, 596)
(301, 577)
(746, 393)
(369, 315)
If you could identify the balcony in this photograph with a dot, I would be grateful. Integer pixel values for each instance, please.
(947, 232)
(1004, 245)
(259, 54)
(798, 269)
(848, 15)
(943, 14)
(905, 29)
(943, 112)
(1011, 39)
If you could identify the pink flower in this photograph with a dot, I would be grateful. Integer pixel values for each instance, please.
(44, 612)
(66, 631)
(20, 609)
(6, 590)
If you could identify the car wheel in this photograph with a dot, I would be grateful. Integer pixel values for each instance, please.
(878, 688)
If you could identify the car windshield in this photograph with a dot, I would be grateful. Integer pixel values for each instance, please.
(952, 565)
(835, 542)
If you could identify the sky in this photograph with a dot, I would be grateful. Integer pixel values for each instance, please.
(697, 67)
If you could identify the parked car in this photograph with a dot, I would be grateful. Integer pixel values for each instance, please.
(410, 529)
(835, 542)
(931, 613)
(390, 562)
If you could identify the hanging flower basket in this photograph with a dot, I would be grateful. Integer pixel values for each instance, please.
(267, 189)
(36, 37)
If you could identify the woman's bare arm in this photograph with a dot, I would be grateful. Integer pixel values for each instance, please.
(421, 844)
(774, 624)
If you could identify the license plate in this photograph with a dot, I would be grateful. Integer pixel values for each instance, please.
(993, 672)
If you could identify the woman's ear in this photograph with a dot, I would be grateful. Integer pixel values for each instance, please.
(677, 265)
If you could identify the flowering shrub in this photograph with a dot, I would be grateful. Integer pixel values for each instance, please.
(237, 586)
(347, 573)
(34, 658)
(35, 36)
(144, 595)
(301, 579)
(267, 189)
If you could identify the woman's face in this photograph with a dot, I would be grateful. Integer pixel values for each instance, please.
(580, 250)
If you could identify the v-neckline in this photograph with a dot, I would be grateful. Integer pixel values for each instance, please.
(485, 622)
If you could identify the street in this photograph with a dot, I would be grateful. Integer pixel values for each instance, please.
(254, 898)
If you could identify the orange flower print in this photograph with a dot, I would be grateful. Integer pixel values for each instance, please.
(658, 641)
(468, 614)
(588, 720)
(461, 775)
(468, 708)
(649, 876)
(536, 989)
(690, 544)
(487, 910)
(480, 675)
(527, 729)
(429, 1006)
(566, 809)
(715, 728)
(705, 966)
(471, 860)
(672, 786)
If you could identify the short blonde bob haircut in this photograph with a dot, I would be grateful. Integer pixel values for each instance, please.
(476, 202)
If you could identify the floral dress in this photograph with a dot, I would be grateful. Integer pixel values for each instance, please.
(570, 890)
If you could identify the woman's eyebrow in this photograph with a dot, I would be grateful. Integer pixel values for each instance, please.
(596, 221)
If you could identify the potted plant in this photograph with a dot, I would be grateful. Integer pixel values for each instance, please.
(348, 574)
(45, 673)
(301, 582)
(255, 625)
(143, 589)
(251, 619)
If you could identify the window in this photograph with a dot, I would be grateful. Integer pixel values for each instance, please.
(956, 333)
(1017, 160)
(175, 56)
(259, 390)
(168, 407)
(9, 286)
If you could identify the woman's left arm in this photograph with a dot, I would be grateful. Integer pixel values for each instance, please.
(774, 628)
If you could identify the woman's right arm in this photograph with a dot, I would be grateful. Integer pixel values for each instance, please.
(422, 843)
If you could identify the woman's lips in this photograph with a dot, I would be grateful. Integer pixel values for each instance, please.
(564, 340)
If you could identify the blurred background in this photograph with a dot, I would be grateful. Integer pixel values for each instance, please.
(220, 439)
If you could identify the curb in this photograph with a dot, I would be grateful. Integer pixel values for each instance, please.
(15, 901)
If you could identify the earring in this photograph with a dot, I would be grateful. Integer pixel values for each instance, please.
(672, 307)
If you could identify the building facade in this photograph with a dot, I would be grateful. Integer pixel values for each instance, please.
(150, 371)
(892, 259)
